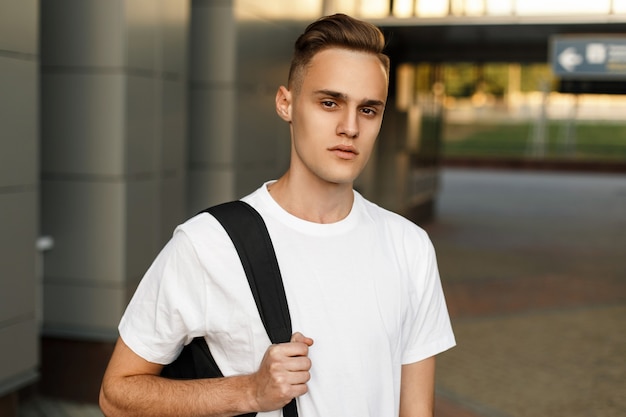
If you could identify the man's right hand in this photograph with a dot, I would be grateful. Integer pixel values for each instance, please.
(133, 387)
(283, 373)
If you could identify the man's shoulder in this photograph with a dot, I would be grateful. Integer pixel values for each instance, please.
(389, 219)
(257, 197)
(202, 229)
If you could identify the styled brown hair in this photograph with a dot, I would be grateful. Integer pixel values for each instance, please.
(336, 31)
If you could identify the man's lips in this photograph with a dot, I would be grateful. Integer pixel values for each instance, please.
(344, 151)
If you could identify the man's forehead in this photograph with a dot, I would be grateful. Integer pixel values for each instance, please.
(338, 55)
(354, 74)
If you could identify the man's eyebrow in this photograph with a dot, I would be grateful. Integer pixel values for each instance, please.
(331, 93)
(344, 97)
(373, 103)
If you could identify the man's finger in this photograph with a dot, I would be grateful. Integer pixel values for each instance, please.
(300, 338)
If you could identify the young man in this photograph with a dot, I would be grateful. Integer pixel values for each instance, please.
(361, 282)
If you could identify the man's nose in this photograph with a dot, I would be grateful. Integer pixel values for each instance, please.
(349, 124)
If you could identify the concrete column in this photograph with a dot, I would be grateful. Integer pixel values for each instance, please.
(113, 138)
(212, 103)
(264, 49)
(19, 195)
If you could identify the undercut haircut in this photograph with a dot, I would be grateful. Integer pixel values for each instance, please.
(335, 31)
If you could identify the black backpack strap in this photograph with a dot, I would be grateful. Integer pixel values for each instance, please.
(248, 232)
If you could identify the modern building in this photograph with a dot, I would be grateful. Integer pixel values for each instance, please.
(121, 118)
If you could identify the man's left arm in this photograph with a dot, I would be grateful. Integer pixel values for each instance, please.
(417, 389)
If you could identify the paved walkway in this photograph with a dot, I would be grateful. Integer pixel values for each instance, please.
(534, 269)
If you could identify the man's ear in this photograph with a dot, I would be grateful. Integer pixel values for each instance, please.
(283, 103)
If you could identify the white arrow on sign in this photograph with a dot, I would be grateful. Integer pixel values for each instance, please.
(570, 59)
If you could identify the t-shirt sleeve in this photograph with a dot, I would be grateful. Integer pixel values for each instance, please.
(167, 308)
(427, 327)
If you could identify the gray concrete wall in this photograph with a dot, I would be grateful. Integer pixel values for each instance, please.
(263, 55)
(113, 91)
(212, 95)
(19, 191)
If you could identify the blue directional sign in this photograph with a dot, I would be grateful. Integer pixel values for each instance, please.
(589, 56)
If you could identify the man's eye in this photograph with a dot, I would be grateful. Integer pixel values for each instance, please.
(328, 104)
(369, 112)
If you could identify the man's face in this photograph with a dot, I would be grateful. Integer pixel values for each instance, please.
(336, 115)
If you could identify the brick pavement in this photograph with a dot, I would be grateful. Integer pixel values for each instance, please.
(534, 272)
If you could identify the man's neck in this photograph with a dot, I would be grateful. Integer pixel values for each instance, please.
(314, 201)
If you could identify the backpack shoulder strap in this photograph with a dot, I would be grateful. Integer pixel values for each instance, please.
(247, 230)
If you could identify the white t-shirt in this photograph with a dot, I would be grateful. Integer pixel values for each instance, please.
(366, 289)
